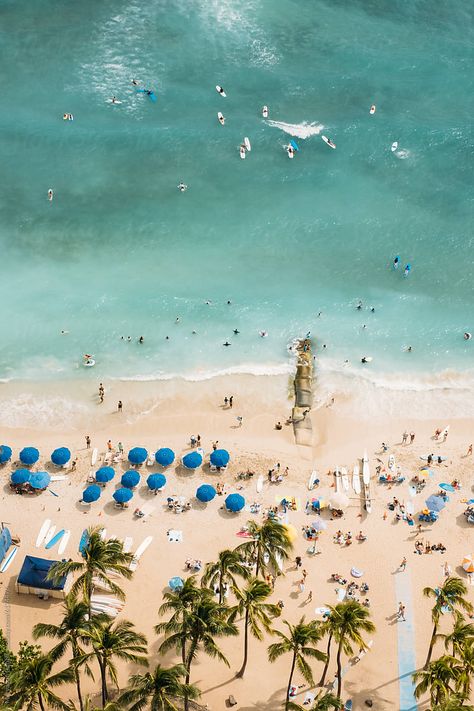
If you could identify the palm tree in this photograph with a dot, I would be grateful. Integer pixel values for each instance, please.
(300, 642)
(438, 678)
(109, 640)
(71, 632)
(251, 602)
(461, 635)
(449, 595)
(227, 566)
(179, 603)
(159, 690)
(455, 702)
(102, 559)
(33, 682)
(352, 619)
(328, 626)
(268, 544)
(466, 657)
(323, 702)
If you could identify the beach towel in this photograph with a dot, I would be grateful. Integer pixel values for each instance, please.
(279, 498)
(175, 536)
(243, 534)
(341, 594)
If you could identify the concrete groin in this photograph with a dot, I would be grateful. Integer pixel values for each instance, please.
(302, 425)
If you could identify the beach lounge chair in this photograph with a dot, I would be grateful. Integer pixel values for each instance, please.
(231, 701)
(212, 467)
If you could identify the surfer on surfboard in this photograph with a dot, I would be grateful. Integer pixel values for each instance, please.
(221, 118)
(372, 110)
(220, 90)
(467, 336)
(50, 195)
(182, 187)
(265, 112)
(396, 262)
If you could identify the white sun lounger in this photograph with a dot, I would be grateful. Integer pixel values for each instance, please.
(146, 510)
(139, 552)
(341, 594)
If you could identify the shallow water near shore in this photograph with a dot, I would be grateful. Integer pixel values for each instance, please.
(120, 252)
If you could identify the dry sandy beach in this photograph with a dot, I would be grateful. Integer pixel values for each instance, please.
(167, 414)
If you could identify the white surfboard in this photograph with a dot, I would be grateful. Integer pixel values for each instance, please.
(394, 146)
(328, 142)
(345, 479)
(247, 144)
(127, 544)
(337, 474)
(260, 484)
(242, 152)
(59, 477)
(139, 552)
(265, 112)
(49, 535)
(103, 534)
(64, 542)
(8, 560)
(220, 90)
(372, 110)
(365, 469)
(356, 479)
(42, 532)
(95, 453)
(290, 151)
(114, 101)
(312, 479)
(220, 118)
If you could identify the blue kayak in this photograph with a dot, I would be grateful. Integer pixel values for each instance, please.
(294, 145)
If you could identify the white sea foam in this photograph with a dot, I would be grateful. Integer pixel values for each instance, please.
(257, 369)
(30, 411)
(299, 130)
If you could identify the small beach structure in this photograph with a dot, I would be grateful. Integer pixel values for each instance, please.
(156, 482)
(123, 495)
(130, 479)
(33, 579)
(137, 455)
(61, 456)
(205, 493)
(29, 455)
(435, 503)
(5, 453)
(234, 503)
(192, 460)
(20, 477)
(92, 493)
(39, 480)
(104, 475)
(219, 458)
(164, 456)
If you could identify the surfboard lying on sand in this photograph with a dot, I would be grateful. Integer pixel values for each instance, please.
(49, 535)
(42, 532)
(8, 560)
(259, 484)
(64, 542)
(95, 453)
(139, 552)
(55, 539)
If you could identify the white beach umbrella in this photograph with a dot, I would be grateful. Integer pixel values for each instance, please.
(338, 501)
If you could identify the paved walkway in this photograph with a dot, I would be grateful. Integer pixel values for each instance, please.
(406, 642)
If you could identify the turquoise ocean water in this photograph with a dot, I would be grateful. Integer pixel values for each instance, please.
(120, 251)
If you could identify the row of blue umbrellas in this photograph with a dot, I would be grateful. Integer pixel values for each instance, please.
(30, 455)
(37, 480)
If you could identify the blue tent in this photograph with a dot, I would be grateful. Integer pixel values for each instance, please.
(20, 476)
(220, 458)
(156, 481)
(104, 474)
(5, 542)
(205, 493)
(29, 455)
(234, 503)
(61, 456)
(435, 503)
(121, 496)
(92, 493)
(137, 455)
(34, 572)
(39, 480)
(130, 479)
(5, 453)
(193, 460)
(176, 583)
(164, 456)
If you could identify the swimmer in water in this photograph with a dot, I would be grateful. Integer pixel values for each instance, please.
(236, 332)
(396, 262)
(50, 195)
(467, 336)
(407, 270)
(134, 82)
(359, 306)
(227, 343)
(364, 360)
(63, 333)
(182, 187)
(221, 91)
(263, 334)
(113, 100)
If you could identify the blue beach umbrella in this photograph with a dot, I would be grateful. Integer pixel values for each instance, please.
(130, 479)
(234, 503)
(164, 456)
(121, 496)
(176, 583)
(447, 487)
(21, 476)
(39, 480)
(193, 460)
(104, 474)
(29, 455)
(137, 455)
(5, 453)
(220, 458)
(61, 456)
(205, 493)
(156, 481)
(92, 493)
(435, 503)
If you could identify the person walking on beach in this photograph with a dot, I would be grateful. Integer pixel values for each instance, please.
(403, 564)
(298, 562)
(469, 450)
(226, 401)
(120, 448)
(119, 406)
(88, 442)
(240, 420)
(231, 401)
(214, 445)
(412, 437)
(109, 445)
(401, 612)
(310, 597)
(404, 437)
